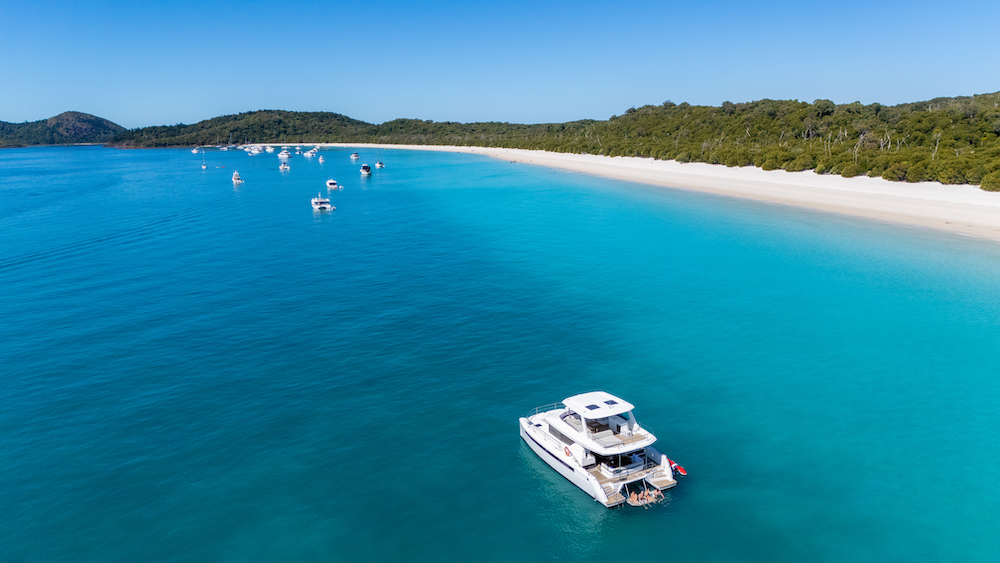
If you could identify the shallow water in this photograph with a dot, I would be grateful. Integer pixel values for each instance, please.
(193, 371)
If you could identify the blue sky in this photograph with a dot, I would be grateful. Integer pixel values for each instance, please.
(139, 63)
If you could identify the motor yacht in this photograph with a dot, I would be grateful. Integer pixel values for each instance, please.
(355, 156)
(321, 203)
(284, 167)
(236, 178)
(321, 160)
(284, 154)
(379, 164)
(332, 184)
(366, 170)
(194, 150)
(595, 442)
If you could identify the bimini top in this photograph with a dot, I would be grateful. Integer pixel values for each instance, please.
(597, 404)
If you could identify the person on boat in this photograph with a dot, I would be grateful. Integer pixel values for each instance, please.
(633, 498)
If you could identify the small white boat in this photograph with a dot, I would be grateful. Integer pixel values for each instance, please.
(355, 156)
(284, 167)
(332, 184)
(321, 160)
(284, 154)
(366, 170)
(594, 441)
(379, 164)
(321, 203)
(203, 165)
(236, 178)
(194, 150)
(269, 148)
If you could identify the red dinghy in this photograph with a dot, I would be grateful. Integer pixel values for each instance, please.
(677, 468)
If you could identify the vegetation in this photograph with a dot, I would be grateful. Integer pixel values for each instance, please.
(66, 128)
(257, 126)
(950, 140)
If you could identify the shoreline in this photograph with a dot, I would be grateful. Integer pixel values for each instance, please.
(959, 209)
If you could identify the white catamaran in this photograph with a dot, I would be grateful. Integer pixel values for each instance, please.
(594, 441)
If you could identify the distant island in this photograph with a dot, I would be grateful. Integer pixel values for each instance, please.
(949, 140)
(68, 128)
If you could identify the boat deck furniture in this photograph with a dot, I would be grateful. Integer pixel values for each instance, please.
(629, 439)
(575, 422)
(607, 438)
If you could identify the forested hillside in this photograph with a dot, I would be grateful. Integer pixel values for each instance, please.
(951, 140)
(263, 126)
(66, 128)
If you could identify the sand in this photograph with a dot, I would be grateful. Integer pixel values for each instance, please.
(961, 209)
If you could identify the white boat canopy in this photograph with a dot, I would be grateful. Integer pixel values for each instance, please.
(597, 404)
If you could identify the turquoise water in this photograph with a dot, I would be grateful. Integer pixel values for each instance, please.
(193, 372)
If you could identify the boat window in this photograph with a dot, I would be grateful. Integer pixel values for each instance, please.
(562, 438)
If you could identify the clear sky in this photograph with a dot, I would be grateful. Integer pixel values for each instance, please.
(143, 63)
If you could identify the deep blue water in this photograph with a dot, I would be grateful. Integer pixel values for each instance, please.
(193, 372)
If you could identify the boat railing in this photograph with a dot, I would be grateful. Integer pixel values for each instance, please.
(545, 408)
(624, 473)
(555, 441)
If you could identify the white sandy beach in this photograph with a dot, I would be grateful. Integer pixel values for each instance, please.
(958, 209)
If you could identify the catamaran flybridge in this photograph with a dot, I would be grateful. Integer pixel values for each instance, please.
(594, 441)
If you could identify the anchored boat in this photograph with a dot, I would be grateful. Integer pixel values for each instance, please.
(594, 441)
(321, 203)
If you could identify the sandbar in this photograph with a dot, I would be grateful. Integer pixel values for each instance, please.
(961, 209)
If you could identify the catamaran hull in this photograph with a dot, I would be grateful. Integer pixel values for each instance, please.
(576, 475)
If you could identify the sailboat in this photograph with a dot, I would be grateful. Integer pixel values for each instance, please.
(203, 165)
